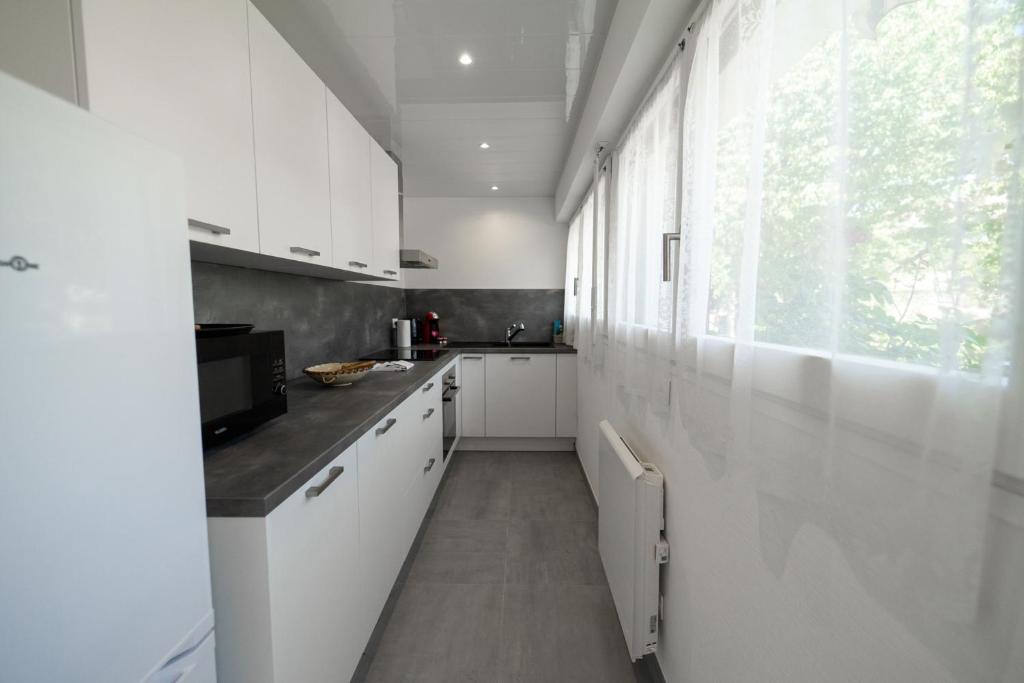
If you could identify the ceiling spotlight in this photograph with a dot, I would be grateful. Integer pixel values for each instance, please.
(484, 145)
(494, 188)
(465, 59)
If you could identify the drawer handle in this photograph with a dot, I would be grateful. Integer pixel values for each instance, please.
(473, 357)
(390, 272)
(427, 388)
(303, 250)
(332, 474)
(357, 264)
(428, 413)
(215, 229)
(430, 465)
(384, 430)
(520, 358)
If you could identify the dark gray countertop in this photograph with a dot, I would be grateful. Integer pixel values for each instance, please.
(251, 476)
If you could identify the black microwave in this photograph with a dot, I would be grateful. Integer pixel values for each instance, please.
(241, 383)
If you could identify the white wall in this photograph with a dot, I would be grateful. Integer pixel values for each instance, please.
(491, 243)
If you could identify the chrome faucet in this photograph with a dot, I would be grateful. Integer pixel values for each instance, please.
(514, 329)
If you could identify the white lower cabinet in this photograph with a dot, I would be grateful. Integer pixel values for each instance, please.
(286, 586)
(474, 395)
(520, 391)
(565, 394)
(298, 592)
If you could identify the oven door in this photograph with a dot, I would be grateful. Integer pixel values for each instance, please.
(449, 413)
(241, 383)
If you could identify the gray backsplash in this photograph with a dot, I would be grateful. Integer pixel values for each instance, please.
(483, 314)
(329, 320)
(323, 320)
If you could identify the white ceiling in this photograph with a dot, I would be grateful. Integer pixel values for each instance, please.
(394, 63)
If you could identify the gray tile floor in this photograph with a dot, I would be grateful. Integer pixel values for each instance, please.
(506, 585)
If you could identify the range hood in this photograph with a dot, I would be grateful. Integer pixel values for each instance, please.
(416, 258)
(409, 258)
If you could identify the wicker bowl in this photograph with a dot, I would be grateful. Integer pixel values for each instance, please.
(339, 374)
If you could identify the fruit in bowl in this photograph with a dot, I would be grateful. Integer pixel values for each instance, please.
(339, 374)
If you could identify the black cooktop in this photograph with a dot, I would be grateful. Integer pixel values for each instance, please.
(406, 354)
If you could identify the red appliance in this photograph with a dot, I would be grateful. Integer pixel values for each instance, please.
(432, 328)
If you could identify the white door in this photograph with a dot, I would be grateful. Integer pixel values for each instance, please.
(351, 205)
(384, 176)
(473, 398)
(105, 566)
(177, 73)
(520, 395)
(313, 550)
(289, 111)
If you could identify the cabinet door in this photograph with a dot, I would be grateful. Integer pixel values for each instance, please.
(177, 73)
(428, 446)
(384, 178)
(520, 392)
(381, 515)
(289, 112)
(351, 206)
(565, 394)
(474, 397)
(313, 559)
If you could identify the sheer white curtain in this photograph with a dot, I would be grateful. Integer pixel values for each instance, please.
(572, 257)
(847, 319)
(646, 201)
(584, 338)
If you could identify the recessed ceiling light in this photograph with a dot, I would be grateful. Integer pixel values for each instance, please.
(494, 188)
(484, 145)
(465, 59)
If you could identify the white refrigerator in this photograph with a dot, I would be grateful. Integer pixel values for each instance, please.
(104, 567)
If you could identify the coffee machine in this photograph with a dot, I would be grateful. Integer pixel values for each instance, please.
(432, 328)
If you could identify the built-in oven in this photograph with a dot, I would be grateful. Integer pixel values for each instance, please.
(241, 383)
(449, 412)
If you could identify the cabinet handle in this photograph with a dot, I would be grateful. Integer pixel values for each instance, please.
(428, 387)
(666, 254)
(430, 465)
(519, 358)
(473, 357)
(390, 272)
(215, 229)
(303, 250)
(428, 413)
(357, 264)
(384, 430)
(332, 474)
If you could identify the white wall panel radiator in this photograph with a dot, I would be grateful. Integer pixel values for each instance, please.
(631, 519)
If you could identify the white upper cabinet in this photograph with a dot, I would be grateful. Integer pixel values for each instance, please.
(384, 178)
(177, 74)
(351, 205)
(289, 112)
